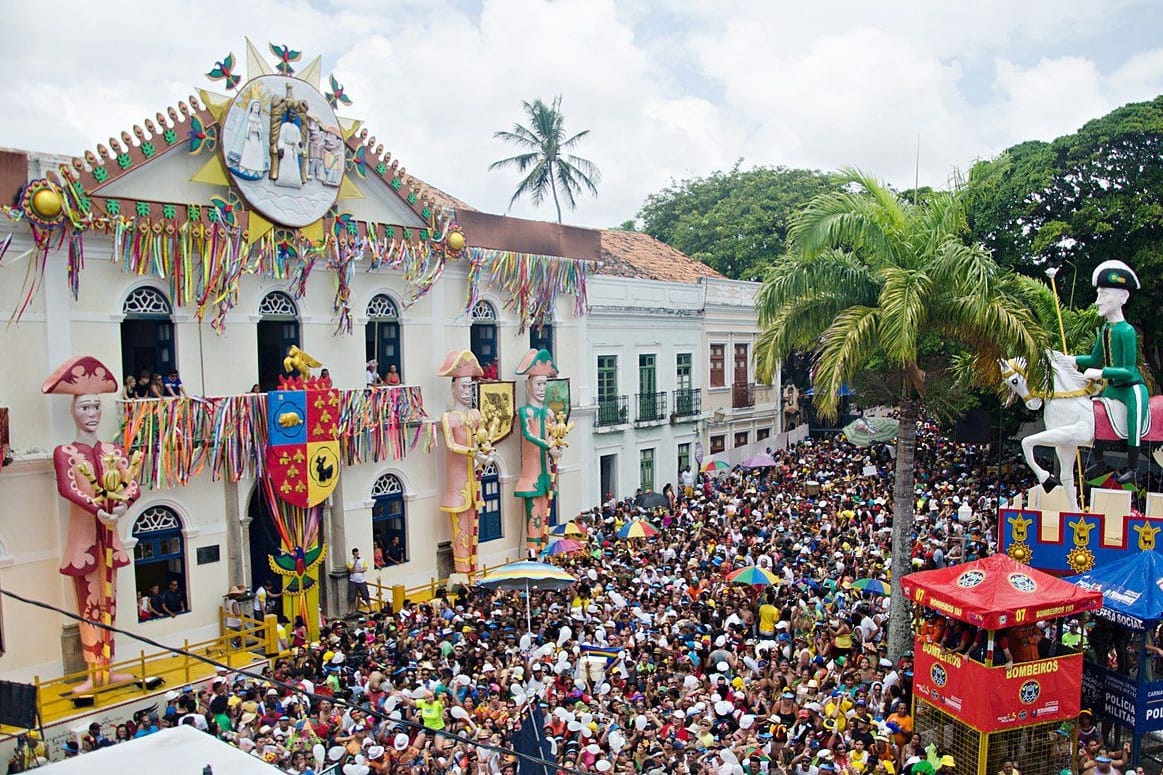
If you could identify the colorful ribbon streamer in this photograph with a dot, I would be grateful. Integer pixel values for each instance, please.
(181, 437)
(532, 282)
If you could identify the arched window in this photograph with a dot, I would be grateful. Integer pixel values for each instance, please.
(159, 561)
(389, 526)
(482, 337)
(277, 331)
(489, 525)
(382, 335)
(147, 334)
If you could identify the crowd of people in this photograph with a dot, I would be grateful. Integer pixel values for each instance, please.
(651, 663)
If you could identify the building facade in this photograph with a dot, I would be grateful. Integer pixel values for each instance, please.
(153, 262)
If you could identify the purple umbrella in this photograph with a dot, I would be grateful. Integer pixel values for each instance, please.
(762, 460)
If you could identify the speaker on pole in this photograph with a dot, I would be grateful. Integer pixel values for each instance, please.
(17, 704)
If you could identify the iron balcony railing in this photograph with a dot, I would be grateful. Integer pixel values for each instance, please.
(688, 402)
(651, 406)
(613, 411)
(742, 395)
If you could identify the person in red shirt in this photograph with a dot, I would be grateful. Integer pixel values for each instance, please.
(1024, 642)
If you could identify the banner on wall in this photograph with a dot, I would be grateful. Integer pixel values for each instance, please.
(1026, 693)
(1074, 542)
(303, 452)
(1119, 699)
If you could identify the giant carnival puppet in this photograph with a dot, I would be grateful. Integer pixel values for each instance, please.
(468, 451)
(99, 482)
(540, 449)
(1116, 355)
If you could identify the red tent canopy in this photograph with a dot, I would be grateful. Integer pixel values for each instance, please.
(997, 591)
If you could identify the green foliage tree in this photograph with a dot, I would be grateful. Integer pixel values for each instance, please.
(1080, 200)
(735, 222)
(870, 277)
(547, 160)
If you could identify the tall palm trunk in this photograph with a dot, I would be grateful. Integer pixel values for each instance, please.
(553, 188)
(900, 632)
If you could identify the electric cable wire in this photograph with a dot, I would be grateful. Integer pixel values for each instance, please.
(334, 700)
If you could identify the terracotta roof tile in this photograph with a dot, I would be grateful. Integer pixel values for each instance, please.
(634, 254)
(445, 200)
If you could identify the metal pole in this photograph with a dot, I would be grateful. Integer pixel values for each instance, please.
(1078, 486)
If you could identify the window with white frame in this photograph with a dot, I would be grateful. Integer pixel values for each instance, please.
(159, 563)
(382, 336)
(389, 523)
(489, 524)
(147, 336)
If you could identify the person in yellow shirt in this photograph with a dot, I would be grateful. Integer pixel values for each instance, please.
(768, 617)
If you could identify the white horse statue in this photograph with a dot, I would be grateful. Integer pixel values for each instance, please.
(1070, 416)
(1066, 411)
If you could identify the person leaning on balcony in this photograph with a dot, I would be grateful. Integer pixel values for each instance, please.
(172, 385)
(141, 385)
(1001, 654)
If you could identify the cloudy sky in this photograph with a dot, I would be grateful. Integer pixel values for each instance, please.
(668, 89)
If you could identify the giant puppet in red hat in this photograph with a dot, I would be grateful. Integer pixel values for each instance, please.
(100, 483)
(461, 424)
(538, 454)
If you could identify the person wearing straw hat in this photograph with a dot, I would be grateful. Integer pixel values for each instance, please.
(462, 499)
(233, 611)
(100, 483)
(535, 483)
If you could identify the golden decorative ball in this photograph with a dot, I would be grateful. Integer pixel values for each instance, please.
(455, 242)
(1021, 552)
(1080, 560)
(47, 203)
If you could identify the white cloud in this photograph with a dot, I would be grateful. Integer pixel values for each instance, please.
(668, 90)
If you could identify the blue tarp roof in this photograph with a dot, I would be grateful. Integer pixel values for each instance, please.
(1132, 586)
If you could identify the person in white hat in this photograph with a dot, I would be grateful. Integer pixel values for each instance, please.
(233, 610)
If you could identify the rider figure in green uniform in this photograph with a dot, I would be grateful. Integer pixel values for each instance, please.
(1116, 353)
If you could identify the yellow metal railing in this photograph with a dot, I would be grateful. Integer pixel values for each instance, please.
(235, 648)
(396, 594)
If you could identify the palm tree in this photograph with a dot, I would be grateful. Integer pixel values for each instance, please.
(869, 280)
(546, 158)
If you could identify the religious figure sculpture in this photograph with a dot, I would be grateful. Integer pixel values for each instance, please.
(333, 156)
(100, 482)
(314, 149)
(1116, 353)
(250, 161)
(467, 452)
(539, 454)
(287, 112)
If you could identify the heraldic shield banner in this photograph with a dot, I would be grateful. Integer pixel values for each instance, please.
(303, 443)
